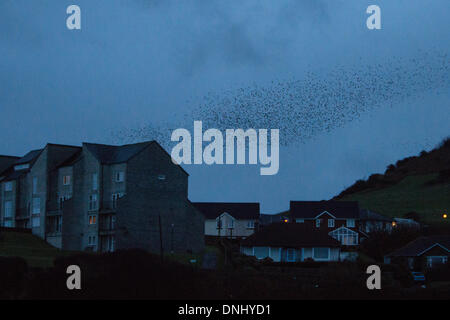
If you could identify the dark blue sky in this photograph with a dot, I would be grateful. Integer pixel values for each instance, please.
(151, 63)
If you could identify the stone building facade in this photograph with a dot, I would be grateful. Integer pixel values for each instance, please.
(102, 198)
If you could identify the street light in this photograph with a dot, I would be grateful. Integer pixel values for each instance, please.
(444, 216)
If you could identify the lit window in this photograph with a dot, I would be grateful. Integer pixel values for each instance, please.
(251, 224)
(299, 220)
(8, 186)
(350, 223)
(318, 223)
(36, 205)
(120, 176)
(8, 209)
(92, 219)
(330, 223)
(66, 180)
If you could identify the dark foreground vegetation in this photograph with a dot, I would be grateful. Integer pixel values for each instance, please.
(135, 274)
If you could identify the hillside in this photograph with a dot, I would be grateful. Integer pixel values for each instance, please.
(419, 184)
(34, 250)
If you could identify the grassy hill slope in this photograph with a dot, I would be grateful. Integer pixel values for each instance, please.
(34, 250)
(419, 184)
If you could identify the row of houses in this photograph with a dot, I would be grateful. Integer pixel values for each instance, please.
(102, 198)
(316, 230)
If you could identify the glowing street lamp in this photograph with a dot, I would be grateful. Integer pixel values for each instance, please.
(444, 216)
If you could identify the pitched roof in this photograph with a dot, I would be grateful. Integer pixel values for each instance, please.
(293, 235)
(107, 154)
(70, 161)
(238, 210)
(6, 162)
(421, 245)
(365, 214)
(30, 157)
(270, 218)
(311, 209)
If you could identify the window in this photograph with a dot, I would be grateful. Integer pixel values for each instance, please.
(21, 167)
(66, 180)
(93, 219)
(350, 223)
(261, 252)
(318, 223)
(35, 184)
(321, 254)
(8, 224)
(120, 176)
(35, 221)
(62, 199)
(161, 177)
(436, 260)
(345, 236)
(8, 186)
(36, 205)
(230, 224)
(251, 224)
(115, 197)
(95, 182)
(58, 224)
(8, 209)
(290, 255)
(330, 223)
(113, 222)
(91, 240)
(93, 202)
(300, 220)
(113, 244)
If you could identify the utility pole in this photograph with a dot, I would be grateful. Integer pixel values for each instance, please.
(161, 240)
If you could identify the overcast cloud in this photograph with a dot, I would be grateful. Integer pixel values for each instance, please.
(143, 64)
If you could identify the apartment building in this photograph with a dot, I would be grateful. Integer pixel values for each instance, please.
(103, 198)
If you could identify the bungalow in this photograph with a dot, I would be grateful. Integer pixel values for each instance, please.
(371, 221)
(230, 220)
(422, 253)
(340, 219)
(290, 242)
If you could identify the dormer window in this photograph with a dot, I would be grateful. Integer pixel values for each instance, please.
(330, 223)
(21, 167)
